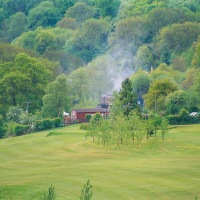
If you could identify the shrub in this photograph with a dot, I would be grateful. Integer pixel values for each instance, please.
(39, 125)
(10, 128)
(57, 122)
(21, 129)
(183, 118)
(88, 117)
(47, 124)
(2, 131)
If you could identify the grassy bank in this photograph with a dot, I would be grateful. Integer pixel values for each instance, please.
(163, 170)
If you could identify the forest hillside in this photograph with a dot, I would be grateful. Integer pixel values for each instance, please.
(56, 55)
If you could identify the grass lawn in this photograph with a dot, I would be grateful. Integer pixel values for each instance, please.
(163, 170)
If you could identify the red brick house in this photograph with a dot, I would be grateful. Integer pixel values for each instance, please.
(79, 115)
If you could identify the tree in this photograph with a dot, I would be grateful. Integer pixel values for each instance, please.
(158, 91)
(161, 17)
(56, 100)
(79, 84)
(176, 101)
(69, 23)
(106, 8)
(86, 193)
(45, 41)
(18, 25)
(80, 11)
(140, 83)
(164, 127)
(127, 98)
(51, 195)
(144, 58)
(23, 80)
(120, 129)
(90, 40)
(196, 59)
(173, 40)
(129, 31)
(45, 14)
(95, 126)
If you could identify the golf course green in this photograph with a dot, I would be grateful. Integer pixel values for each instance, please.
(158, 170)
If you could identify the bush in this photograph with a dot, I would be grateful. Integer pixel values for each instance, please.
(10, 128)
(2, 131)
(88, 117)
(21, 129)
(47, 124)
(43, 124)
(39, 125)
(57, 122)
(183, 118)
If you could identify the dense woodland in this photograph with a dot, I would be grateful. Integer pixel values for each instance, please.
(56, 55)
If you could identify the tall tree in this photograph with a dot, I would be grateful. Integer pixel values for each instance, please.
(57, 99)
(127, 98)
(174, 40)
(23, 81)
(106, 8)
(90, 40)
(176, 101)
(158, 91)
(45, 14)
(18, 24)
(80, 11)
(79, 84)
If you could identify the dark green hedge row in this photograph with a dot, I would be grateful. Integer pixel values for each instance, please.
(21, 129)
(183, 118)
(47, 124)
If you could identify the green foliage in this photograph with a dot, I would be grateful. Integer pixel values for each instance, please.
(47, 124)
(18, 25)
(23, 80)
(174, 39)
(90, 40)
(57, 122)
(183, 118)
(50, 195)
(45, 14)
(86, 193)
(127, 97)
(176, 101)
(2, 127)
(158, 91)
(104, 36)
(80, 11)
(10, 128)
(88, 117)
(14, 113)
(140, 82)
(57, 95)
(164, 127)
(21, 129)
(106, 8)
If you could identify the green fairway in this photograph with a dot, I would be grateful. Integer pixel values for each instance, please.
(160, 169)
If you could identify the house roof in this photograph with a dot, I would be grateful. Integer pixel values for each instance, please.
(91, 110)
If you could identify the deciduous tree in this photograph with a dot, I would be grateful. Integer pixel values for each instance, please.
(158, 91)
(57, 98)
